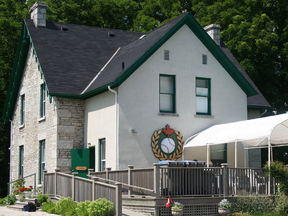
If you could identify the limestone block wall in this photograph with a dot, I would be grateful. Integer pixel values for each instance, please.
(70, 130)
(34, 129)
(62, 128)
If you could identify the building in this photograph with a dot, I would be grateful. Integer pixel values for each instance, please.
(112, 92)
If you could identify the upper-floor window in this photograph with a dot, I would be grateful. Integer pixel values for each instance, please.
(22, 112)
(203, 96)
(42, 100)
(167, 93)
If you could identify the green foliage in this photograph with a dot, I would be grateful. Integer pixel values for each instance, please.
(42, 198)
(82, 208)
(101, 207)
(18, 186)
(65, 206)
(12, 199)
(253, 204)
(279, 171)
(281, 205)
(49, 207)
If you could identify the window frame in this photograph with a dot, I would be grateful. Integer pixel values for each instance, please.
(208, 96)
(173, 93)
(42, 100)
(217, 162)
(42, 152)
(21, 161)
(102, 142)
(22, 111)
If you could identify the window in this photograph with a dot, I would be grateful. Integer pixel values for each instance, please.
(203, 98)
(21, 161)
(218, 154)
(166, 54)
(167, 93)
(41, 160)
(22, 114)
(43, 100)
(102, 153)
(204, 59)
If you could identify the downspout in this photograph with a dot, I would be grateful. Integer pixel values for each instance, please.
(116, 128)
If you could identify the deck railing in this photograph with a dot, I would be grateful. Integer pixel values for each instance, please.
(80, 189)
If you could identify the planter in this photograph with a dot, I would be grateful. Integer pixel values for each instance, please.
(28, 193)
(19, 196)
(224, 211)
(177, 211)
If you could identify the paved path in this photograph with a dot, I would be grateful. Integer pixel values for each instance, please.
(4, 211)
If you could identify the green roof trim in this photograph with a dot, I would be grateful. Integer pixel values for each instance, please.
(16, 76)
(197, 29)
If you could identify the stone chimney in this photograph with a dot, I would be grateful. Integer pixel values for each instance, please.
(213, 31)
(38, 14)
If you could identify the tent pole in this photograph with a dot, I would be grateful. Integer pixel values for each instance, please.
(208, 155)
(269, 164)
(236, 154)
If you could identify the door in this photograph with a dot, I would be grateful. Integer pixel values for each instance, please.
(82, 160)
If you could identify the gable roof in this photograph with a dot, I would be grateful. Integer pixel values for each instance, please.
(82, 61)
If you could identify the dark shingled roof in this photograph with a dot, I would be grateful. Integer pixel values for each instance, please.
(70, 60)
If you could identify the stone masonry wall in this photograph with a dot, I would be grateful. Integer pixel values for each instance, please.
(34, 129)
(70, 130)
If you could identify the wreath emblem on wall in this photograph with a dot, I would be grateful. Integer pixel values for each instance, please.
(167, 144)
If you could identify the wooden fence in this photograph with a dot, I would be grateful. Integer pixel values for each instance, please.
(80, 189)
(182, 179)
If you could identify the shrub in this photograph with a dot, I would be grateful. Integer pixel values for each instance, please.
(82, 208)
(66, 207)
(101, 207)
(12, 199)
(253, 204)
(281, 204)
(42, 198)
(279, 171)
(49, 207)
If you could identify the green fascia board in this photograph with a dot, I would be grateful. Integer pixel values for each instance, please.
(97, 91)
(16, 75)
(197, 29)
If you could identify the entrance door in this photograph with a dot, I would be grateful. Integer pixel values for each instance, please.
(82, 160)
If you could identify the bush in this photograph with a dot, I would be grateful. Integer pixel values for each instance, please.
(49, 207)
(82, 208)
(253, 204)
(66, 207)
(279, 171)
(281, 204)
(42, 198)
(101, 207)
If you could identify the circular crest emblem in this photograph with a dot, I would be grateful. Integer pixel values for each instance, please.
(167, 144)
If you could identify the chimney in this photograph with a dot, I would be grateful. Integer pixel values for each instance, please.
(38, 14)
(213, 31)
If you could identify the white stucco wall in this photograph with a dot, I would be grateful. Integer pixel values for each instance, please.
(139, 98)
(100, 124)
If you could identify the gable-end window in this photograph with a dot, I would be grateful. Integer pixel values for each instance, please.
(21, 161)
(167, 93)
(102, 154)
(22, 112)
(218, 154)
(42, 100)
(166, 55)
(41, 160)
(204, 59)
(203, 98)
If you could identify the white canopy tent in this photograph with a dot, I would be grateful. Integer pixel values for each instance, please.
(255, 133)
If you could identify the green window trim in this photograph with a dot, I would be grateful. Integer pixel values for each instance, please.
(21, 161)
(22, 112)
(168, 92)
(41, 160)
(43, 100)
(102, 154)
(207, 95)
